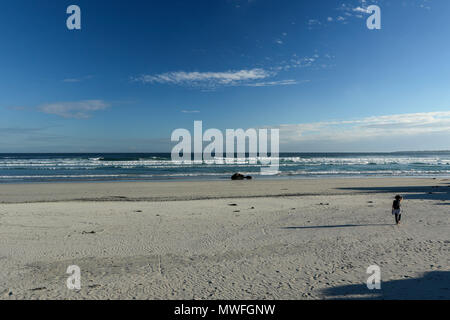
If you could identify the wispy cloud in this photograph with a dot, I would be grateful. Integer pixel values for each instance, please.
(276, 83)
(206, 79)
(347, 10)
(354, 10)
(295, 62)
(357, 10)
(257, 77)
(391, 126)
(79, 79)
(17, 108)
(360, 9)
(270, 73)
(312, 23)
(190, 111)
(72, 80)
(77, 109)
(425, 5)
(20, 130)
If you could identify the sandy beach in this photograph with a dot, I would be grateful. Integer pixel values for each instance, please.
(271, 239)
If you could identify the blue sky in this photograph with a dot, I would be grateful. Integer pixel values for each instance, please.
(137, 70)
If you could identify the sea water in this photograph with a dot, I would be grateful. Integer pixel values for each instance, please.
(158, 166)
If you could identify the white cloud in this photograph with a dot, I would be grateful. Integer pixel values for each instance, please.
(313, 22)
(360, 9)
(296, 62)
(206, 79)
(266, 75)
(389, 126)
(276, 83)
(425, 5)
(351, 10)
(212, 80)
(190, 111)
(74, 80)
(77, 109)
(71, 80)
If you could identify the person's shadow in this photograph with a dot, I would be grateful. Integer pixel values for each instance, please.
(433, 285)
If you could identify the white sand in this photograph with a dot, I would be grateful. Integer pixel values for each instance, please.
(303, 239)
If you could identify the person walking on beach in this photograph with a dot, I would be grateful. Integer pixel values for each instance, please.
(396, 209)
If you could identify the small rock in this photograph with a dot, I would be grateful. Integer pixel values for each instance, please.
(239, 176)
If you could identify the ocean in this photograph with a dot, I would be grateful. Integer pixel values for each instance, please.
(28, 168)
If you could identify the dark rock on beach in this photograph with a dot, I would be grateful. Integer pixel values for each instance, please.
(238, 176)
